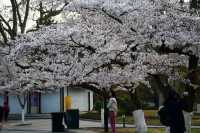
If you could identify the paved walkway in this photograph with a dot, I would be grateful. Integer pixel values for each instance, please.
(38, 131)
(44, 126)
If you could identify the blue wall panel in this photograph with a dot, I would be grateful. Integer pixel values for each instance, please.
(50, 102)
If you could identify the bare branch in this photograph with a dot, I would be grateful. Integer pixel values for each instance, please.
(14, 14)
(18, 14)
(5, 22)
(3, 33)
(26, 16)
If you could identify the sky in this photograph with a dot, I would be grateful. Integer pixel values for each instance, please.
(31, 23)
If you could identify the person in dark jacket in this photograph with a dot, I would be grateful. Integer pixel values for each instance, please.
(6, 108)
(1, 117)
(174, 107)
(6, 111)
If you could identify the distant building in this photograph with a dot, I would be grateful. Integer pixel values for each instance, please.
(37, 103)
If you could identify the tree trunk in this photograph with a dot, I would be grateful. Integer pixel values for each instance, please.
(102, 117)
(167, 130)
(188, 121)
(161, 98)
(138, 114)
(22, 105)
(23, 115)
(139, 120)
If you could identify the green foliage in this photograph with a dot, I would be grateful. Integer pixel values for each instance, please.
(150, 116)
(182, 70)
(132, 130)
(91, 115)
(98, 105)
(125, 105)
(195, 4)
(146, 96)
(143, 98)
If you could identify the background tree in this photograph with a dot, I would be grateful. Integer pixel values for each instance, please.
(195, 4)
(15, 22)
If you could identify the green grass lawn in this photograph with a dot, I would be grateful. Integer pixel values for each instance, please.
(132, 130)
(150, 116)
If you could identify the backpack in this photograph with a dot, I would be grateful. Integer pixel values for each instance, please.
(164, 116)
(114, 107)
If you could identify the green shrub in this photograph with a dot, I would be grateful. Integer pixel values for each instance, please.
(98, 105)
(91, 115)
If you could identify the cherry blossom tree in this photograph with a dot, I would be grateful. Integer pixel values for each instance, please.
(109, 42)
(155, 25)
(52, 53)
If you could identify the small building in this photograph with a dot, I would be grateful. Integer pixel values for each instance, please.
(38, 103)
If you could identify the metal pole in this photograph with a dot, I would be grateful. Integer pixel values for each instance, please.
(124, 120)
(105, 115)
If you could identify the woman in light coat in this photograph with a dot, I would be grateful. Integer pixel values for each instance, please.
(112, 107)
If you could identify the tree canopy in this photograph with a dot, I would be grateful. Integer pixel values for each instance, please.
(105, 43)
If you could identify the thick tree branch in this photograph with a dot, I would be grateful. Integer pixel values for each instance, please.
(193, 59)
(22, 103)
(127, 47)
(21, 66)
(112, 16)
(108, 65)
(89, 48)
(89, 86)
(163, 49)
(162, 88)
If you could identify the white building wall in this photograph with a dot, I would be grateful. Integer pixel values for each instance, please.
(80, 98)
(50, 102)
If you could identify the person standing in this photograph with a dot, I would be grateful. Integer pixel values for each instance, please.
(112, 107)
(5, 111)
(1, 117)
(174, 108)
(6, 108)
